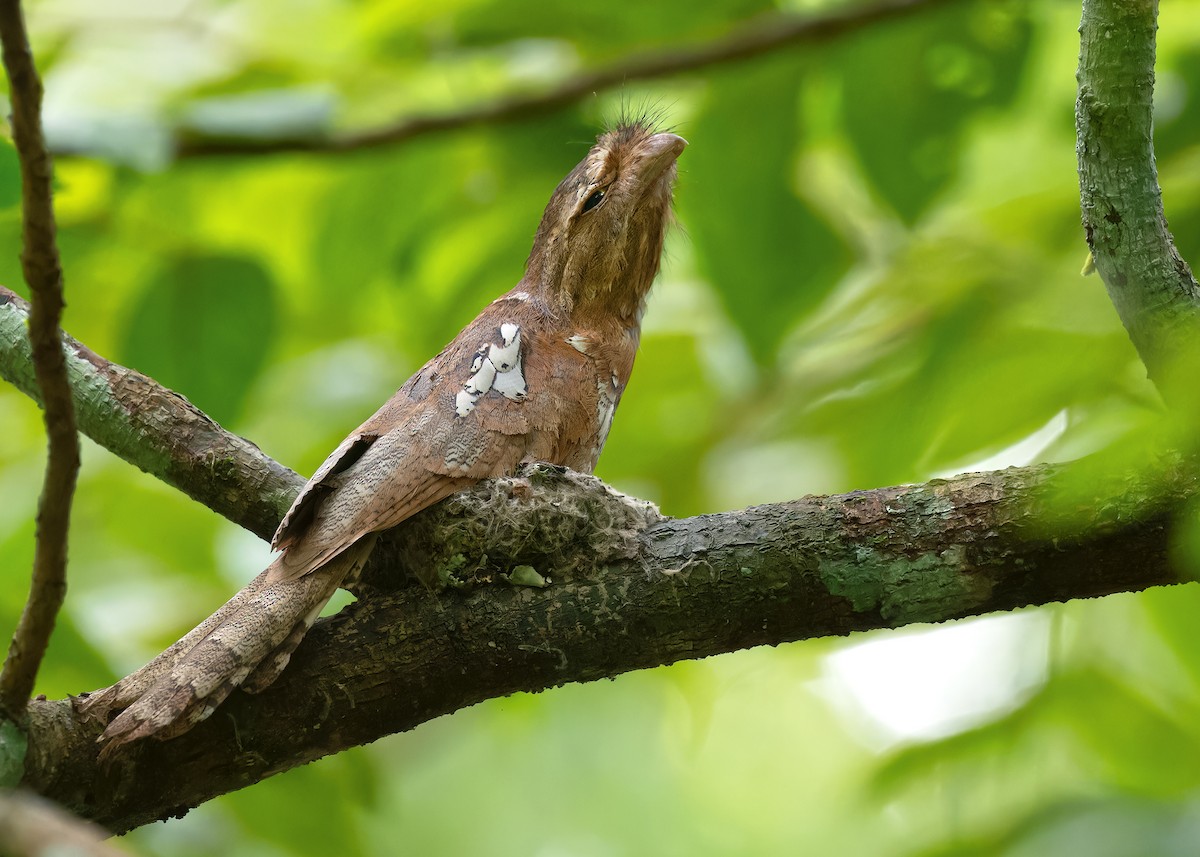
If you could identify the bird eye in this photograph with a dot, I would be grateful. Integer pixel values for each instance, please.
(593, 200)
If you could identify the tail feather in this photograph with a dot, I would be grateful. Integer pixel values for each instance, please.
(270, 667)
(135, 685)
(252, 636)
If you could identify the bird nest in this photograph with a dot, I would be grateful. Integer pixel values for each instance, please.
(544, 524)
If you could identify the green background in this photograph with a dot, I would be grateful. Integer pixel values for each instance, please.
(874, 279)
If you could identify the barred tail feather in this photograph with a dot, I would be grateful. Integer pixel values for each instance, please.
(129, 689)
(253, 635)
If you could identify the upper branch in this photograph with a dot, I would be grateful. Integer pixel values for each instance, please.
(43, 273)
(1151, 286)
(757, 37)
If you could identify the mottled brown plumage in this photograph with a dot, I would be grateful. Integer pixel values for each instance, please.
(535, 377)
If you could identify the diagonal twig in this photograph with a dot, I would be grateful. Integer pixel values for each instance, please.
(43, 273)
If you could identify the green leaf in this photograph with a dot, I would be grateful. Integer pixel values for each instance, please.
(72, 663)
(204, 326)
(1177, 105)
(1117, 826)
(1142, 744)
(447, 225)
(909, 89)
(667, 403)
(770, 256)
(1126, 739)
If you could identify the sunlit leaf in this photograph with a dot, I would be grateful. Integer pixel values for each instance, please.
(1114, 827)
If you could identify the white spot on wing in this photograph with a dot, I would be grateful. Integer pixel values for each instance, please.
(506, 356)
(579, 343)
(511, 383)
(482, 380)
(464, 403)
(495, 367)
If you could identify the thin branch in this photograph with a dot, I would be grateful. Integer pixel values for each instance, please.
(629, 590)
(43, 273)
(757, 37)
(1152, 287)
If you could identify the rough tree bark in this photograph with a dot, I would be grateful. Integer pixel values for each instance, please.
(628, 590)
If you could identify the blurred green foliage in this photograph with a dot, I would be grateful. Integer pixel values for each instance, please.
(182, 333)
(875, 279)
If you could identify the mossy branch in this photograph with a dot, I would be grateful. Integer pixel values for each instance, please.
(627, 589)
(641, 590)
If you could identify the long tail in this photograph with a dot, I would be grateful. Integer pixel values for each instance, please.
(249, 640)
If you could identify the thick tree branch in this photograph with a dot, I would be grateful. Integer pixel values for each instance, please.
(1152, 288)
(629, 590)
(157, 430)
(43, 273)
(755, 38)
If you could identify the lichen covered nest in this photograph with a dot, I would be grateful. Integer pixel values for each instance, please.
(544, 524)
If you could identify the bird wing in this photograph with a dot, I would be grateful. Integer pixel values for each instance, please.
(469, 414)
(299, 516)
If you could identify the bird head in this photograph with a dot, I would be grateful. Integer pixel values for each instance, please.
(600, 241)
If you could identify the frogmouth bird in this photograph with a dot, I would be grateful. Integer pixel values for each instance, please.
(535, 377)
